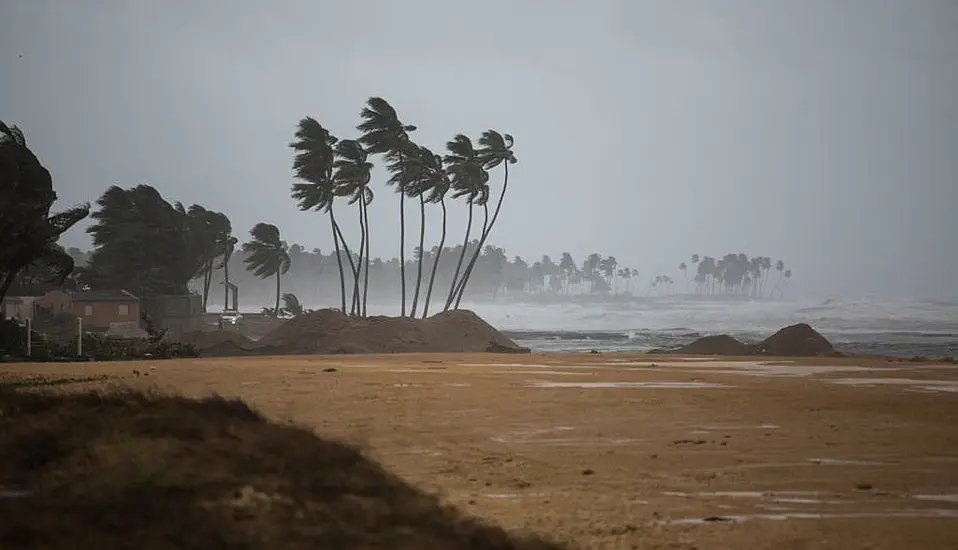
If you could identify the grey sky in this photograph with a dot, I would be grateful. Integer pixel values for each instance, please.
(821, 132)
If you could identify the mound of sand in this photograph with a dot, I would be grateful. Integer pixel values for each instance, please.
(330, 331)
(720, 344)
(212, 343)
(798, 340)
(135, 471)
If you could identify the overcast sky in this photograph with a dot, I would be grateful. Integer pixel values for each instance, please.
(824, 133)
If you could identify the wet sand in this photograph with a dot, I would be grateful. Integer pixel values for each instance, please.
(628, 451)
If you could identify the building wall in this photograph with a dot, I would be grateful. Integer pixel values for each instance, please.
(101, 314)
(55, 301)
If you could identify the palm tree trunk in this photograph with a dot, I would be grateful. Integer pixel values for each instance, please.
(348, 253)
(435, 265)
(276, 309)
(366, 268)
(422, 253)
(475, 256)
(357, 302)
(226, 283)
(486, 231)
(339, 260)
(402, 247)
(462, 255)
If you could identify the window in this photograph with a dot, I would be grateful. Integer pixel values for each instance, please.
(88, 311)
(123, 310)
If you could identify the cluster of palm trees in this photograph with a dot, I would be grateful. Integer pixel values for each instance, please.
(329, 168)
(737, 274)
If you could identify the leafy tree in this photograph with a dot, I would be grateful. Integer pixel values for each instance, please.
(145, 244)
(30, 231)
(292, 306)
(384, 133)
(267, 255)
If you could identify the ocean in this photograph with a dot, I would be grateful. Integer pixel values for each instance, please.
(879, 327)
(857, 326)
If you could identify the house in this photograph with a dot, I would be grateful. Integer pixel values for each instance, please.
(17, 306)
(99, 309)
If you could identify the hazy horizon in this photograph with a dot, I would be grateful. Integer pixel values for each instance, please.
(819, 133)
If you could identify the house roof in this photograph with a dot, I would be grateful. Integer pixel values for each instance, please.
(103, 296)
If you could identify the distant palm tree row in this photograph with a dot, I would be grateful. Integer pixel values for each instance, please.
(330, 168)
(737, 274)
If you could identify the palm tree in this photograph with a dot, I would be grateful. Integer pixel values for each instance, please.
(684, 269)
(495, 149)
(427, 175)
(385, 134)
(470, 180)
(267, 255)
(352, 176)
(313, 164)
(228, 246)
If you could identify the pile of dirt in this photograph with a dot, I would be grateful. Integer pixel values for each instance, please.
(213, 343)
(331, 331)
(720, 344)
(134, 471)
(798, 340)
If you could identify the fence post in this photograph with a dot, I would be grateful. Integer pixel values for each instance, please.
(29, 337)
(80, 337)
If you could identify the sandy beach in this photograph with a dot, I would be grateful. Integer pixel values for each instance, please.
(625, 451)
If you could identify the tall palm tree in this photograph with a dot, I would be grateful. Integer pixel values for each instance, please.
(352, 176)
(469, 180)
(385, 134)
(313, 164)
(427, 176)
(495, 149)
(267, 255)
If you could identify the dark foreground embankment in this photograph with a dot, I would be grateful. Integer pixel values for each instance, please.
(128, 470)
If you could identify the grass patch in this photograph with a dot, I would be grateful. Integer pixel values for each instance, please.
(148, 471)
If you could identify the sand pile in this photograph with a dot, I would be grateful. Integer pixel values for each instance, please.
(720, 344)
(135, 471)
(213, 343)
(330, 331)
(798, 340)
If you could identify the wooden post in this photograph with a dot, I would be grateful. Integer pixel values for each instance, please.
(29, 337)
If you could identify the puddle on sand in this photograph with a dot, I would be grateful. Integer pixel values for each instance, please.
(559, 372)
(938, 498)
(845, 462)
(925, 385)
(653, 385)
(493, 365)
(916, 513)
(758, 368)
(727, 428)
